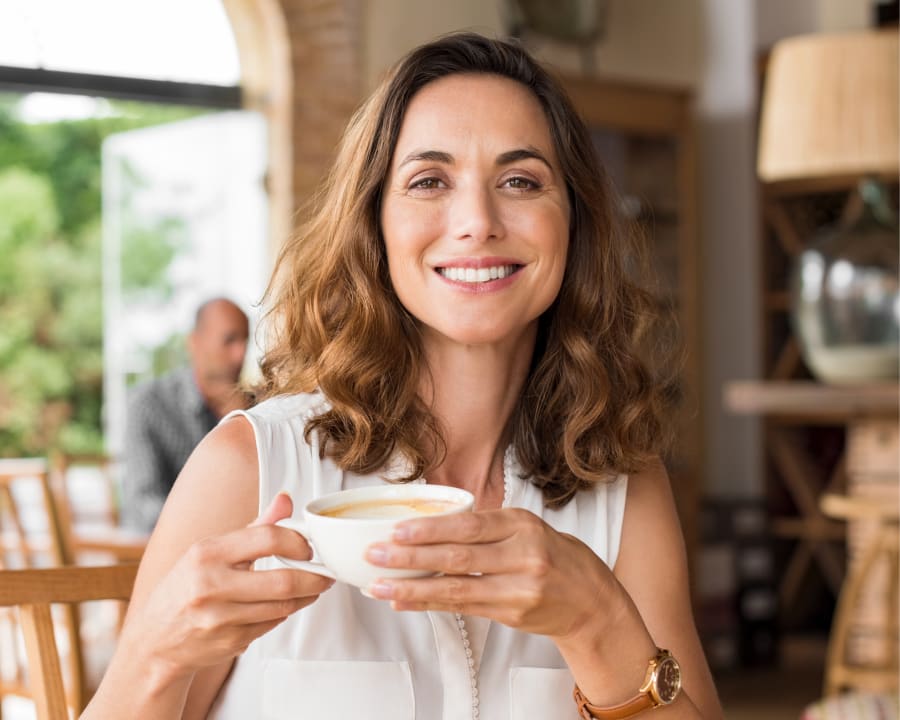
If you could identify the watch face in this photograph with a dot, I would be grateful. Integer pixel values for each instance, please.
(668, 680)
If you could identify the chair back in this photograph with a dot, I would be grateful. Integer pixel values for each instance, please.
(32, 591)
(32, 535)
(86, 475)
(31, 529)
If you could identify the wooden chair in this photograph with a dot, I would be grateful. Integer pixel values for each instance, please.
(22, 540)
(32, 591)
(104, 467)
(880, 550)
(31, 535)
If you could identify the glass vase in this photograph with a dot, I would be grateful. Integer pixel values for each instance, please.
(845, 304)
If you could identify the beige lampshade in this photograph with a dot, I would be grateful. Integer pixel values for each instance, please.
(830, 107)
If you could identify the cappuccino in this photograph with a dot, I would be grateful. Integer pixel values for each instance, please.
(340, 526)
(397, 508)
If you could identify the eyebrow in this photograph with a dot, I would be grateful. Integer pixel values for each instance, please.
(522, 154)
(510, 156)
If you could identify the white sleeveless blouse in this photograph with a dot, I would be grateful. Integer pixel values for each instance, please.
(349, 656)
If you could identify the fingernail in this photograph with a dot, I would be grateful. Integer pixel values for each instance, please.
(381, 590)
(376, 555)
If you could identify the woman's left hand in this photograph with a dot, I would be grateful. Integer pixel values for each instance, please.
(507, 565)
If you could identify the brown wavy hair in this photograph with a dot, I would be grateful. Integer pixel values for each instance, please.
(591, 405)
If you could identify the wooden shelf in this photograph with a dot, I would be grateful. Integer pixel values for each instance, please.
(812, 402)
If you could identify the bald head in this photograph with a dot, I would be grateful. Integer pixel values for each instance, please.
(218, 341)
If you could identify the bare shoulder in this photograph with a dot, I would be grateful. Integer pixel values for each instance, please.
(219, 485)
(216, 492)
(651, 536)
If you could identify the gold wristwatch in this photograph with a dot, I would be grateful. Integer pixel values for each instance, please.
(661, 686)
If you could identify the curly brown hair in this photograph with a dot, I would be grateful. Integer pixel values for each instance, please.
(591, 405)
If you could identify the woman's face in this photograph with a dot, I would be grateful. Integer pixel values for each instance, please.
(475, 214)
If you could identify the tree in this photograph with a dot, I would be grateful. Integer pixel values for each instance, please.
(51, 322)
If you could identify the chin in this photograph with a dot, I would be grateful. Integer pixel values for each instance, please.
(477, 335)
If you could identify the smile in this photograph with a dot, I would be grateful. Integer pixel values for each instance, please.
(478, 275)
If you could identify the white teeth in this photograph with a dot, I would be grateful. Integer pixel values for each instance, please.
(477, 275)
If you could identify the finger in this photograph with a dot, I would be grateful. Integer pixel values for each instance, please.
(281, 507)
(261, 612)
(451, 559)
(249, 544)
(279, 584)
(467, 527)
(456, 591)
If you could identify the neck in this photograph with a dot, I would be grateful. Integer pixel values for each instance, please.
(473, 392)
(220, 396)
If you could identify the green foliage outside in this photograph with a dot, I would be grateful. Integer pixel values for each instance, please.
(51, 370)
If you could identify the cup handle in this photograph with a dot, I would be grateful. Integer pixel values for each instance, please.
(311, 566)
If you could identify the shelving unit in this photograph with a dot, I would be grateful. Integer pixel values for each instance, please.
(644, 136)
(810, 429)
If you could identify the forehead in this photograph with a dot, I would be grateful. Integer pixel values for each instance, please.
(223, 317)
(472, 111)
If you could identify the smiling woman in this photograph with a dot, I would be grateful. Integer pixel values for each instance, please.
(397, 357)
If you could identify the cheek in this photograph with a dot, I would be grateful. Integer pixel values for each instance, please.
(406, 238)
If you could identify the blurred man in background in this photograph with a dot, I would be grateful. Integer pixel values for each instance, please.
(168, 416)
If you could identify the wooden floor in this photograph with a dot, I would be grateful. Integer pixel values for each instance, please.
(775, 693)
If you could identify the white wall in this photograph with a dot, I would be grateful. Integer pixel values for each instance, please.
(726, 100)
(393, 27)
(648, 40)
(776, 19)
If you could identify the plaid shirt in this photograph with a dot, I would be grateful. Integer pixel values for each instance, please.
(166, 419)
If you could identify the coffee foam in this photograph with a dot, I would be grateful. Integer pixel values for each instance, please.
(393, 508)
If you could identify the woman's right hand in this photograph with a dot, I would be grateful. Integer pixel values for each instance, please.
(197, 602)
(211, 605)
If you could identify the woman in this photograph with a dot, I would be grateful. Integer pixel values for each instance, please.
(456, 308)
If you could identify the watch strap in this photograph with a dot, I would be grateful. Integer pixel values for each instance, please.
(627, 709)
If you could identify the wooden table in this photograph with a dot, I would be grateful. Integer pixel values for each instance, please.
(870, 465)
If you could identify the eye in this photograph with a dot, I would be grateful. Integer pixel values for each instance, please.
(518, 182)
(426, 183)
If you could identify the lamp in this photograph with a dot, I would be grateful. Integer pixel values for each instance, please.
(830, 120)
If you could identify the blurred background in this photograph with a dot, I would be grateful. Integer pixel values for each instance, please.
(153, 154)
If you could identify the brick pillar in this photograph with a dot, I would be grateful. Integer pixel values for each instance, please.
(325, 57)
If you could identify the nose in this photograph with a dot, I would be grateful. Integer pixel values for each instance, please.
(475, 214)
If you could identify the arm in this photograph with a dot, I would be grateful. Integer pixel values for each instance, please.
(650, 605)
(606, 624)
(197, 603)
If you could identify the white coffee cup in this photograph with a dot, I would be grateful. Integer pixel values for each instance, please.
(341, 526)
